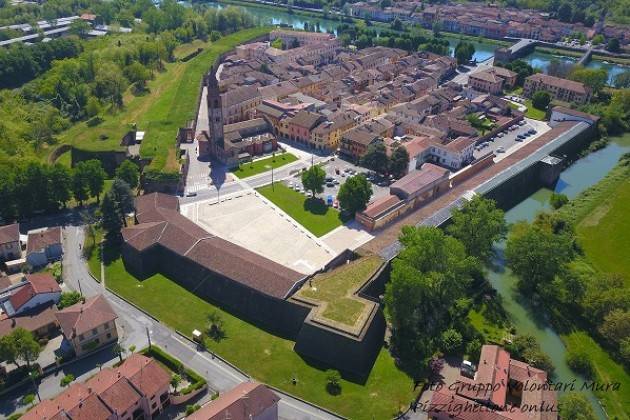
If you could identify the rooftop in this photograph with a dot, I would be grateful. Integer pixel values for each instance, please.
(244, 402)
(41, 239)
(417, 180)
(9, 233)
(84, 316)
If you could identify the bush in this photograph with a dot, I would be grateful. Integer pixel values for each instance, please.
(190, 408)
(541, 100)
(580, 362)
(333, 382)
(558, 200)
(473, 350)
(67, 380)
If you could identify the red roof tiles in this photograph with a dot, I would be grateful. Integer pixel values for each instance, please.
(247, 400)
(83, 317)
(9, 233)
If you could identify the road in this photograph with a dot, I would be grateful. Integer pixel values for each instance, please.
(134, 326)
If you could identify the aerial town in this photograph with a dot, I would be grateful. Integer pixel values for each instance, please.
(417, 213)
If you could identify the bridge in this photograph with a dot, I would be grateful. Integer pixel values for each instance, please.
(586, 58)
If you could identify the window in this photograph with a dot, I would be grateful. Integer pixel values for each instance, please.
(94, 331)
(81, 338)
(109, 335)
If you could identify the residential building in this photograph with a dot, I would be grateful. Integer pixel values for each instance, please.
(421, 185)
(10, 247)
(298, 127)
(560, 114)
(302, 37)
(355, 142)
(454, 154)
(137, 389)
(43, 246)
(327, 135)
(560, 89)
(501, 388)
(39, 289)
(41, 321)
(88, 325)
(492, 80)
(247, 401)
(239, 104)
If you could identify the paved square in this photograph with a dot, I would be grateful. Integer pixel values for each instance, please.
(251, 221)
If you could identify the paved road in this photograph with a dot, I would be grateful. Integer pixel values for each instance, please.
(133, 326)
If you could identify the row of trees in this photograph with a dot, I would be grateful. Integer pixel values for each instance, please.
(33, 187)
(545, 257)
(119, 201)
(377, 160)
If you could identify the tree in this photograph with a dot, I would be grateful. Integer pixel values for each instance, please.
(616, 326)
(138, 75)
(478, 225)
(598, 39)
(526, 348)
(80, 28)
(277, 43)
(541, 100)
(580, 361)
(397, 25)
(613, 45)
(215, 325)
(128, 172)
(451, 341)
(473, 349)
(376, 158)
(429, 275)
(595, 79)
(399, 162)
(118, 350)
(565, 12)
(354, 194)
(95, 177)
(80, 183)
(464, 52)
(175, 381)
(536, 255)
(575, 406)
(123, 197)
(313, 179)
(59, 184)
(8, 349)
(28, 399)
(333, 382)
(112, 219)
(68, 299)
(27, 348)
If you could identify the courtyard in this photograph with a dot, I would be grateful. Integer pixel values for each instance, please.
(253, 222)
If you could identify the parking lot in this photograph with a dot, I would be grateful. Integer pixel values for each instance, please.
(337, 171)
(511, 138)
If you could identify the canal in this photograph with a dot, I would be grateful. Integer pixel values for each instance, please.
(584, 173)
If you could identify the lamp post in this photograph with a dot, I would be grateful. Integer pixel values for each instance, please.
(30, 374)
(267, 167)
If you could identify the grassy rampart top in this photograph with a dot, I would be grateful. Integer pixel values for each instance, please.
(169, 104)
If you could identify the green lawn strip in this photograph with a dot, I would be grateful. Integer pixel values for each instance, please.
(267, 358)
(336, 289)
(492, 331)
(92, 252)
(605, 233)
(616, 403)
(534, 113)
(263, 165)
(313, 214)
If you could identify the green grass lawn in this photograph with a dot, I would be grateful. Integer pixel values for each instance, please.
(491, 325)
(267, 358)
(534, 113)
(263, 165)
(337, 287)
(313, 214)
(605, 233)
(169, 104)
(91, 251)
(616, 403)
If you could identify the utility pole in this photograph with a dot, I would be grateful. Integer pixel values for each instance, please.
(148, 337)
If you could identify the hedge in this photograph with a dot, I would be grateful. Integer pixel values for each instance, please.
(176, 366)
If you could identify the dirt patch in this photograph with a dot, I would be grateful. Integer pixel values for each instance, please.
(596, 216)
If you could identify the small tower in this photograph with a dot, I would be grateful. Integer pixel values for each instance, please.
(215, 115)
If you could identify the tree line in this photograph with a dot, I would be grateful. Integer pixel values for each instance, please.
(33, 188)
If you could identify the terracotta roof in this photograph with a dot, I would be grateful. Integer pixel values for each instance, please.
(120, 396)
(90, 408)
(559, 82)
(247, 400)
(40, 240)
(83, 317)
(145, 374)
(175, 232)
(9, 233)
(151, 201)
(65, 401)
(417, 180)
(35, 284)
(31, 320)
(306, 119)
(239, 95)
(380, 205)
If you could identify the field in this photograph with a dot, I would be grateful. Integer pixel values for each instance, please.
(170, 103)
(607, 371)
(259, 166)
(313, 214)
(267, 358)
(336, 289)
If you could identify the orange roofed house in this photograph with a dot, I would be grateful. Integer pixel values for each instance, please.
(139, 388)
(247, 401)
(88, 325)
(502, 388)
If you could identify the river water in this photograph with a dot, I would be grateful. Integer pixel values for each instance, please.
(582, 174)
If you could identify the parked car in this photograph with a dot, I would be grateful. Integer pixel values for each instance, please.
(191, 194)
(330, 184)
(329, 200)
(500, 149)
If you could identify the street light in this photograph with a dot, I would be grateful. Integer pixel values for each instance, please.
(30, 374)
(267, 167)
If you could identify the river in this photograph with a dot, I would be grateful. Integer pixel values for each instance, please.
(582, 174)
(483, 49)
